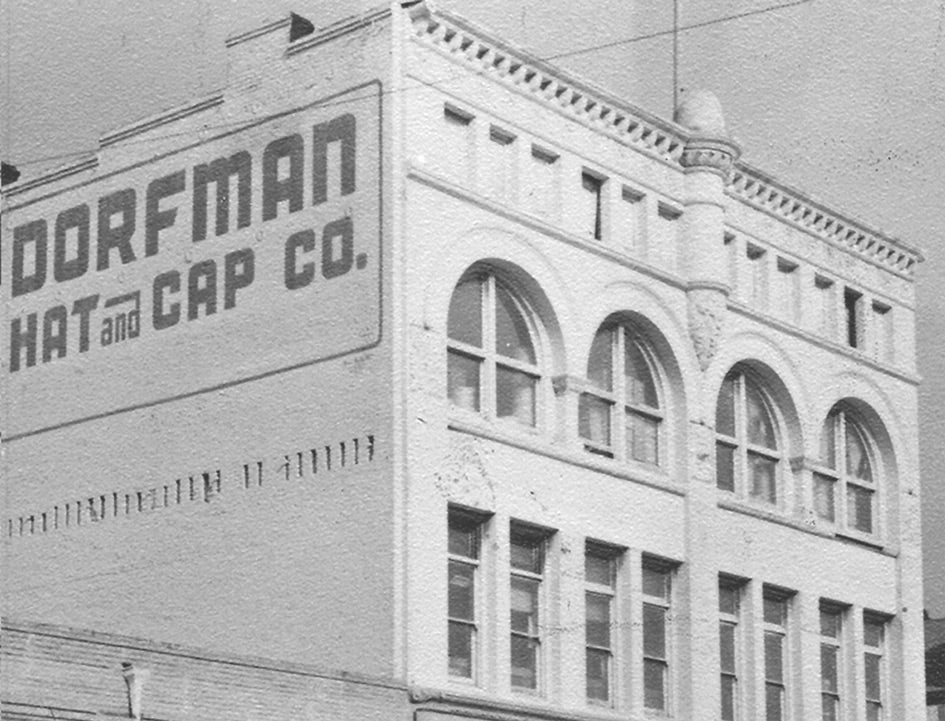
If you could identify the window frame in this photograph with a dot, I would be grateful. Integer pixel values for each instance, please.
(488, 358)
(611, 555)
(836, 643)
(617, 398)
(666, 604)
(840, 421)
(879, 652)
(781, 630)
(457, 515)
(539, 537)
(743, 449)
(734, 620)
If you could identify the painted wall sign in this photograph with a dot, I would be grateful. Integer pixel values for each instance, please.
(226, 260)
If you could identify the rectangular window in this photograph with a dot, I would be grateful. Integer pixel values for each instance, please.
(540, 184)
(451, 148)
(788, 290)
(729, 612)
(628, 220)
(499, 164)
(591, 206)
(831, 662)
(665, 244)
(758, 276)
(462, 576)
(731, 254)
(600, 589)
(657, 587)
(881, 327)
(527, 561)
(874, 631)
(851, 304)
(775, 616)
(827, 323)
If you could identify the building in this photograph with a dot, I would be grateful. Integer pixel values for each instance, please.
(411, 355)
(935, 667)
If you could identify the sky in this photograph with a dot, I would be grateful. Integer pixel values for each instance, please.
(842, 98)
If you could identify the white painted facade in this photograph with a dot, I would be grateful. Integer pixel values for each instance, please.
(595, 524)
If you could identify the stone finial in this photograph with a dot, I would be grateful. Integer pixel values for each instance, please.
(701, 112)
(709, 147)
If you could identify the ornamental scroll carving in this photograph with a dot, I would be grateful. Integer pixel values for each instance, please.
(706, 316)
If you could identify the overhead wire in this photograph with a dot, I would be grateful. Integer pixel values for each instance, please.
(37, 160)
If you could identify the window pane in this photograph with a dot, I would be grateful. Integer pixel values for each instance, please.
(515, 395)
(598, 675)
(828, 668)
(828, 442)
(597, 624)
(874, 711)
(763, 473)
(858, 460)
(873, 634)
(641, 387)
(860, 508)
(759, 421)
(728, 698)
(524, 662)
(774, 657)
(600, 364)
(824, 502)
(598, 569)
(463, 380)
(462, 591)
(654, 631)
(463, 536)
(725, 467)
(590, 206)
(872, 667)
(774, 702)
(526, 552)
(512, 338)
(656, 582)
(728, 600)
(524, 616)
(465, 318)
(642, 438)
(594, 419)
(774, 611)
(830, 708)
(830, 624)
(461, 642)
(727, 647)
(725, 410)
(654, 684)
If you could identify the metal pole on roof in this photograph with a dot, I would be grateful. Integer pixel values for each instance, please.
(675, 56)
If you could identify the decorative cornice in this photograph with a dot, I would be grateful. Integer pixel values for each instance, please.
(490, 57)
(765, 193)
(710, 154)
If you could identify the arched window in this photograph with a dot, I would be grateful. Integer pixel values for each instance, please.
(747, 448)
(621, 415)
(491, 355)
(844, 482)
